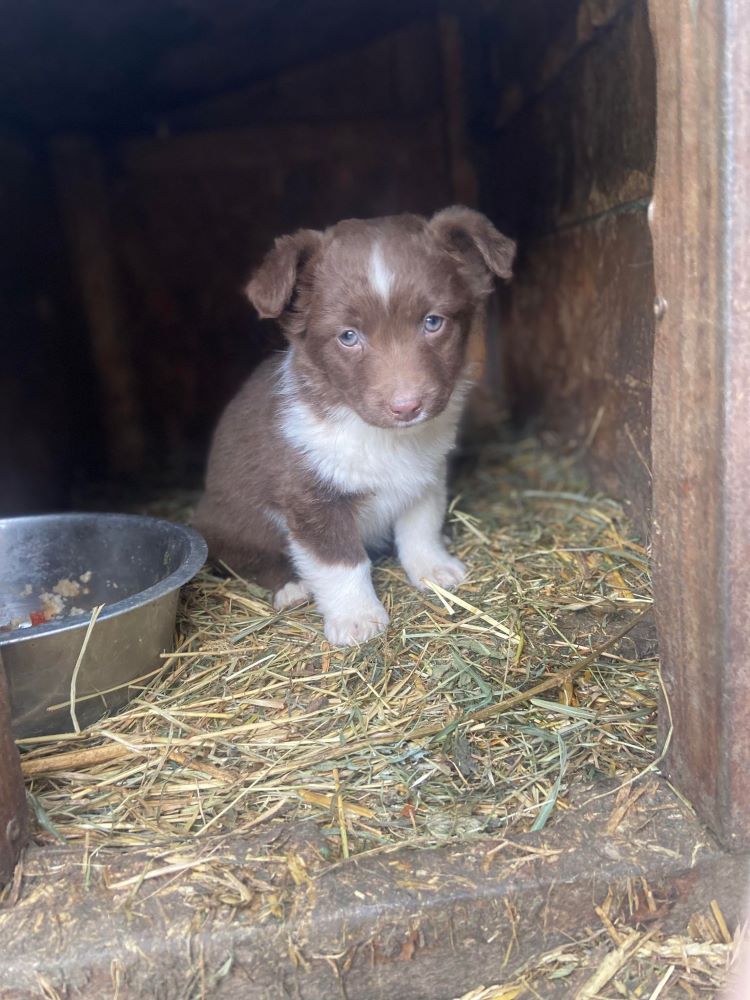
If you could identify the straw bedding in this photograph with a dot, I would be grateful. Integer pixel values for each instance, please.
(478, 712)
(626, 963)
(461, 721)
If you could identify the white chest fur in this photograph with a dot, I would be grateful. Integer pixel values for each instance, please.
(393, 467)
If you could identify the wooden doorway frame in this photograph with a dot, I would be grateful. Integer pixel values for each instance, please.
(700, 219)
(430, 920)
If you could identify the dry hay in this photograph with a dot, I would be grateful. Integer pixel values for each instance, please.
(478, 713)
(473, 715)
(617, 961)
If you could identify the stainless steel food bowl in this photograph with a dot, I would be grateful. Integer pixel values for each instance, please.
(132, 565)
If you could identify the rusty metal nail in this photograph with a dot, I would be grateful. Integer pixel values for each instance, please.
(13, 829)
(660, 307)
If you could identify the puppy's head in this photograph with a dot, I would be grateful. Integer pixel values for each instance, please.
(379, 311)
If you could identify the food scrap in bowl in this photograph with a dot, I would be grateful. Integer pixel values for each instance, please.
(51, 603)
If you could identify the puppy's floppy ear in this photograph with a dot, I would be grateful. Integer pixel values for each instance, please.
(271, 288)
(471, 239)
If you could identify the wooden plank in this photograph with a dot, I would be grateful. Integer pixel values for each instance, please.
(395, 75)
(701, 403)
(462, 171)
(586, 144)
(194, 214)
(14, 823)
(82, 193)
(116, 67)
(45, 411)
(583, 302)
(570, 173)
(411, 924)
(484, 410)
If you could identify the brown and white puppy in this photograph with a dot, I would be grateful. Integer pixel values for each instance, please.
(339, 444)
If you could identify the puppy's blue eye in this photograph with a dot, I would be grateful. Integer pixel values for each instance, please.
(349, 338)
(432, 323)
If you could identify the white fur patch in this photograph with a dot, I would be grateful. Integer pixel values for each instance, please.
(277, 519)
(419, 542)
(344, 595)
(357, 457)
(394, 466)
(291, 594)
(380, 275)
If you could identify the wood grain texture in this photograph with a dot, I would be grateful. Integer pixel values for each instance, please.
(571, 172)
(582, 142)
(425, 924)
(194, 214)
(84, 204)
(701, 401)
(14, 824)
(579, 347)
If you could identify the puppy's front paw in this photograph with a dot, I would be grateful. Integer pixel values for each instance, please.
(353, 627)
(291, 594)
(443, 569)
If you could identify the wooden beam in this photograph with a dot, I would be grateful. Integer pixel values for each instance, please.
(462, 170)
(411, 924)
(84, 205)
(701, 401)
(14, 823)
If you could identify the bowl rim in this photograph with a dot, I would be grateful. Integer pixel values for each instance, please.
(195, 558)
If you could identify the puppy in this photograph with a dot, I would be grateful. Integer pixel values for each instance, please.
(338, 446)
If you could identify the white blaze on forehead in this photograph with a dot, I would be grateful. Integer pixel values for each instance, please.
(380, 275)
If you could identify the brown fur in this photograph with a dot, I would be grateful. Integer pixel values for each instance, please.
(252, 468)
(316, 285)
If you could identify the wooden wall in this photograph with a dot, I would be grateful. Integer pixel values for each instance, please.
(145, 201)
(196, 208)
(48, 397)
(564, 133)
(149, 234)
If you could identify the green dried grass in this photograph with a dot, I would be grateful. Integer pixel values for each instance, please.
(255, 720)
(617, 961)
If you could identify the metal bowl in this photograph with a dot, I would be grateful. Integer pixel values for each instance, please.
(132, 565)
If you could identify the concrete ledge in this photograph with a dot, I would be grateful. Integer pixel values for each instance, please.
(413, 925)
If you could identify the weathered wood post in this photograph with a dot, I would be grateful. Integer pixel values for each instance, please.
(84, 206)
(14, 825)
(701, 401)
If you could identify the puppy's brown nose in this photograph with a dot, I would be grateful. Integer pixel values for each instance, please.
(405, 409)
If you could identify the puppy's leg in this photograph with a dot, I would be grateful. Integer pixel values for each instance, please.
(329, 556)
(292, 594)
(419, 542)
(245, 541)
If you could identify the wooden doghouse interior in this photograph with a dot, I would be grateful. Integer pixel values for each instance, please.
(152, 153)
(149, 154)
